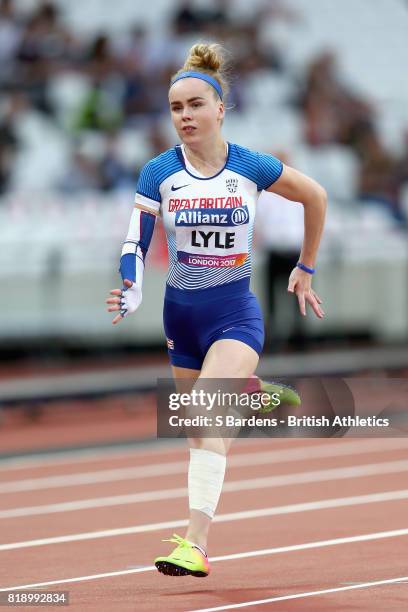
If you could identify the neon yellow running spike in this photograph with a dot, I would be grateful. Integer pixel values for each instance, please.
(287, 395)
(185, 560)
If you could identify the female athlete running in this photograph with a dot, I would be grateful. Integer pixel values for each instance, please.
(206, 190)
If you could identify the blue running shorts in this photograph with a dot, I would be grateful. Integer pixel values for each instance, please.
(195, 319)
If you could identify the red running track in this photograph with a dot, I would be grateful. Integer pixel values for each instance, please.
(302, 525)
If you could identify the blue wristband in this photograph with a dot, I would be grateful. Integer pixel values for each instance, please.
(305, 268)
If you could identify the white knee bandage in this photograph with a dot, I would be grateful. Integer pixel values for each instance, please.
(205, 479)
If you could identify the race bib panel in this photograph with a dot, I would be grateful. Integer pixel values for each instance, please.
(215, 238)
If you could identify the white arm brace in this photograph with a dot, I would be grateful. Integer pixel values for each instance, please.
(134, 251)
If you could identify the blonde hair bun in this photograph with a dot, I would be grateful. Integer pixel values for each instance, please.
(208, 58)
(204, 57)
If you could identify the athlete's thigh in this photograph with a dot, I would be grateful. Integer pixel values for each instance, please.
(229, 358)
(185, 379)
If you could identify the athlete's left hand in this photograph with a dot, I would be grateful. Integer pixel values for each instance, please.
(300, 283)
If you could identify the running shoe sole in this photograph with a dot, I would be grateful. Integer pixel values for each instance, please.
(171, 569)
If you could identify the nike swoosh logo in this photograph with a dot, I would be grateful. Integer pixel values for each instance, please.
(173, 188)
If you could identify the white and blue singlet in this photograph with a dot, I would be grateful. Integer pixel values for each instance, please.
(209, 225)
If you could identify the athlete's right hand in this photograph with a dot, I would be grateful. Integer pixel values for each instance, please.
(127, 300)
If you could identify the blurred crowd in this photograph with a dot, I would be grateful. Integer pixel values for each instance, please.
(335, 114)
(125, 83)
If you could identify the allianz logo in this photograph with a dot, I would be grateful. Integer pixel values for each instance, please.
(235, 216)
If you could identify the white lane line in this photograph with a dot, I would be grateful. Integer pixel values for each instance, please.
(85, 455)
(259, 602)
(334, 449)
(112, 475)
(356, 582)
(89, 455)
(359, 471)
(379, 535)
(322, 504)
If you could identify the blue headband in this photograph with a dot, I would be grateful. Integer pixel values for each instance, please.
(199, 75)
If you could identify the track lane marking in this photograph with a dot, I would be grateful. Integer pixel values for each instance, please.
(151, 448)
(81, 455)
(378, 535)
(362, 585)
(178, 467)
(350, 472)
(323, 504)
